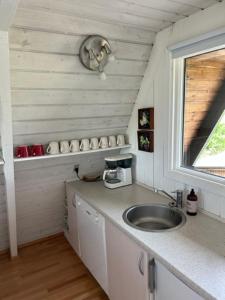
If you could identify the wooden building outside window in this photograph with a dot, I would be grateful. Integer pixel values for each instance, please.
(203, 114)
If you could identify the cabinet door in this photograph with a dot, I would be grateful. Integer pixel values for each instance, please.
(92, 241)
(72, 221)
(169, 286)
(127, 266)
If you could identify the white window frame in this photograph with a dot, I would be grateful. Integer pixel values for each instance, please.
(173, 157)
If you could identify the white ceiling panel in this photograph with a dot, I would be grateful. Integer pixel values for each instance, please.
(152, 15)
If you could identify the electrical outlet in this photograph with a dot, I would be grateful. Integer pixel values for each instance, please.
(76, 168)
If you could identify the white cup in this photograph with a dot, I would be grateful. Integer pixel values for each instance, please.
(112, 141)
(64, 147)
(94, 143)
(120, 140)
(103, 142)
(85, 145)
(74, 146)
(53, 148)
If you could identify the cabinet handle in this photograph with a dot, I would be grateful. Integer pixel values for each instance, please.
(151, 267)
(140, 264)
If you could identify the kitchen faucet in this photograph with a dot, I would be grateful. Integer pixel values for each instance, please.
(177, 201)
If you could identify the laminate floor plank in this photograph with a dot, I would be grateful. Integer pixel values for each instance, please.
(48, 270)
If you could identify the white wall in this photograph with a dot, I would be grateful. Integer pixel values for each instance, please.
(155, 92)
(40, 192)
(3, 214)
(54, 97)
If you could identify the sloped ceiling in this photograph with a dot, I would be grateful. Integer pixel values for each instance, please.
(54, 96)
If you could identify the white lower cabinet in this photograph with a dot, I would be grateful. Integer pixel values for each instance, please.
(133, 275)
(127, 266)
(168, 286)
(91, 232)
(86, 234)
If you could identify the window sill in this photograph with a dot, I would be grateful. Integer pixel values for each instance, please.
(205, 182)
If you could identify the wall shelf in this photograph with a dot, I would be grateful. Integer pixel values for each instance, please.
(48, 156)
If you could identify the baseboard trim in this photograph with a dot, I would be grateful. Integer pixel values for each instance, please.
(4, 252)
(41, 240)
(28, 244)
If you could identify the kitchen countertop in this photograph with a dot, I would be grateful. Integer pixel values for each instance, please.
(194, 253)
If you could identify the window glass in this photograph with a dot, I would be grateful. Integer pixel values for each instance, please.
(204, 116)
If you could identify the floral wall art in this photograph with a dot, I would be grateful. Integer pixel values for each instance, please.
(145, 133)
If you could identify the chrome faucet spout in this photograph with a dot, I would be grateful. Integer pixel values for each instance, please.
(159, 191)
(177, 202)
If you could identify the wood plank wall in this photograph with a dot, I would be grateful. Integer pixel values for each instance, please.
(54, 97)
(40, 195)
(40, 192)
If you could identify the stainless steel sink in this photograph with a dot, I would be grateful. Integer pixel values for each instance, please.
(154, 217)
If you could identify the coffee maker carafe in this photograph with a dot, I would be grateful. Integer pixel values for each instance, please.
(118, 171)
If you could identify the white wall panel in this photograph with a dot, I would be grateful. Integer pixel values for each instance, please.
(68, 112)
(7, 13)
(46, 71)
(3, 215)
(53, 95)
(49, 86)
(67, 135)
(31, 80)
(156, 85)
(68, 24)
(49, 42)
(55, 98)
(48, 126)
(40, 192)
(43, 62)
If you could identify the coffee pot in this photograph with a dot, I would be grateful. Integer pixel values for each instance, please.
(118, 171)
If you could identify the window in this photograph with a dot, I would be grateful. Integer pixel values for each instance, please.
(195, 86)
(203, 144)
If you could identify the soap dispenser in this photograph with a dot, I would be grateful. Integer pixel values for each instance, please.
(192, 203)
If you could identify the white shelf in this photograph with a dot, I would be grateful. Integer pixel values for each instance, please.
(1, 162)
(47, 156)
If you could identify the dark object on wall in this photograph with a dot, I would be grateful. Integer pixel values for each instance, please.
(145, 140)
(146, 118)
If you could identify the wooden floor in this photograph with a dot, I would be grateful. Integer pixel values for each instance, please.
(47, 270)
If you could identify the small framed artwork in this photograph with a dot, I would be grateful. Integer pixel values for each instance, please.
(145, 140)
(146, 118)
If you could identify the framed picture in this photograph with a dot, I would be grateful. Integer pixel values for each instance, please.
(145, 140)
(146, 118)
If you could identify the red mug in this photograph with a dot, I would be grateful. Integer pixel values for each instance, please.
(37, 150)
(22, 151)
